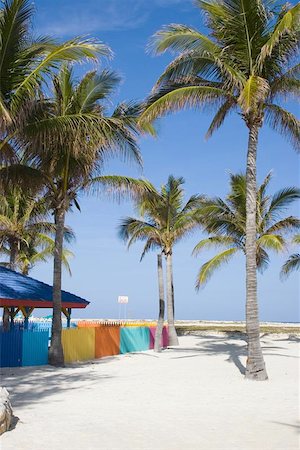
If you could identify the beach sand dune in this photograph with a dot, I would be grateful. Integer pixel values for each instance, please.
(193, 397)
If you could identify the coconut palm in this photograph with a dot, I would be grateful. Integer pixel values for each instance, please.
(23, 218)
(165, 220)
(225, 221)
(246, 63)
(25, 232)
(293, 262)
(67, 142)
(34, 249)
(25, 65)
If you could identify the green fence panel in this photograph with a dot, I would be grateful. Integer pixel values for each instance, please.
(134, 339)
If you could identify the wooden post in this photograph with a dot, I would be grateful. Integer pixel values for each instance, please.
(26, 313)
(69, 317)
(12, 317)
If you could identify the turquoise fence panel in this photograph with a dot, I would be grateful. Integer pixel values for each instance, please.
(35, 348)
(11, 348)
(134, 339)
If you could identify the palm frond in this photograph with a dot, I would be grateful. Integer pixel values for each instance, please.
(176, 37)
(215, 241)
(73, 50)
(288, 224)
(272, 242)
(208, 269)
(284, 123)
(119, 187)
(180, 98)
(288, 24)
(220, 116)
(291, 265)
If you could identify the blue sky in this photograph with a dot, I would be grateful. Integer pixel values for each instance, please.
(103, 268)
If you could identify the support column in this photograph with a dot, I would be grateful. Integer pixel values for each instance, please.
(27, 311)
(69, 317)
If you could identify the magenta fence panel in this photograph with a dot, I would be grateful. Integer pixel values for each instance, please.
(164, 339)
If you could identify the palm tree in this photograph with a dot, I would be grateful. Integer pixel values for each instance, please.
(293, 262)
(25, 65)
(23, 219)
(225, 221)
(35, 249)
(247, 63)
(165, 219)
(25, 232)
(67, 143)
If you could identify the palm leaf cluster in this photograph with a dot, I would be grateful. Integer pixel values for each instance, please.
(293, 262)
(165, 217)
(26, 231)
(225, 222)
(247, 63)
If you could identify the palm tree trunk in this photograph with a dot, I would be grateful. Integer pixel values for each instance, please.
(255, 368)
(13, 247)
(13, 254)
(173, 339)
(56, 354)
(161, 315)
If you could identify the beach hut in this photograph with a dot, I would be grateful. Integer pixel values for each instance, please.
(22, 293)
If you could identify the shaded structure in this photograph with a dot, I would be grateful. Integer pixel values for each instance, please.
(22, 293)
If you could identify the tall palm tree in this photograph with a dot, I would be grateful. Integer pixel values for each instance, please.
(225, 221)
(246, 63)
(165, 220)
(293, 262)
(25, 64)
(67, 142)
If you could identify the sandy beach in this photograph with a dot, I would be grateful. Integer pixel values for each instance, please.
(192, 397)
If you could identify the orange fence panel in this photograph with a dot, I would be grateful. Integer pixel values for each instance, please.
(107, 341)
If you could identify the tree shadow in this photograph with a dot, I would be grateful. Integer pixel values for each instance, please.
(296, 427)
(216, 345)
(291, 338)
(28, 385)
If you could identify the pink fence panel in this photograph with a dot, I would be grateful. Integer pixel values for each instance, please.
(165, 337)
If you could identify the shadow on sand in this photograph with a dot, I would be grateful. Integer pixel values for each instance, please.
(231, 344)
(28, 385)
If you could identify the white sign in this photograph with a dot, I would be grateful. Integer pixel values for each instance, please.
(122, 299)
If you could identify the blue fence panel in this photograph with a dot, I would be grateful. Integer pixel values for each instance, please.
(134, 339)
(11, 348)
(35, 348)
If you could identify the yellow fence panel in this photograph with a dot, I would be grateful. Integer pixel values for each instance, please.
(78, 344)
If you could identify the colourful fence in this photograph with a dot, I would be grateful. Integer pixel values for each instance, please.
(20, 347)
(107, 341)
(35, 348)
(114, 323)
(23, 348)
(78, 344)
(134, 339)
(164, 339)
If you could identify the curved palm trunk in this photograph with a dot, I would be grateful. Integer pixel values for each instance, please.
(56, 354)
(173, 339)
(255, 368)
(161, 315)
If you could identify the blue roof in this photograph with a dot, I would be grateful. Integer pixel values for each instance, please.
(15, 286)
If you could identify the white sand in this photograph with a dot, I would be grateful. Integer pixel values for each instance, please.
(193, 398)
